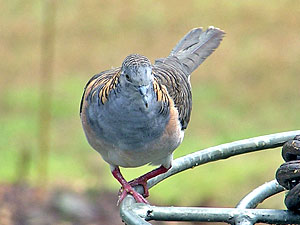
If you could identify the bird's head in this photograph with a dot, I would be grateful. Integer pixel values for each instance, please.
(136, 70)
(136, 74)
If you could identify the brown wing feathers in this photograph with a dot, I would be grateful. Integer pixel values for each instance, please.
(109, 83)
(178, 88)
(106, 81)
(162, 96)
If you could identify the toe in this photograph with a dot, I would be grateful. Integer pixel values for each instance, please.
(137, 196)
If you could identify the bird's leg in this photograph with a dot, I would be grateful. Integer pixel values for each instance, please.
(126, 187)
(142, 180)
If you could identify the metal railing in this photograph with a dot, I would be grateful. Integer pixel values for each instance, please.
(133, 213)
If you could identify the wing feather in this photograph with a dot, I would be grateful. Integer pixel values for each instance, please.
(102, 83)
(177, 85)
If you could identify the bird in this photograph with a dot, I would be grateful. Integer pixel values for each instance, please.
(136, 114)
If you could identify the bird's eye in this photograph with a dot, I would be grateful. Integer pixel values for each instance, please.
(127, 77)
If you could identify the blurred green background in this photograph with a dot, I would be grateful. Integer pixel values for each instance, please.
(248, 87)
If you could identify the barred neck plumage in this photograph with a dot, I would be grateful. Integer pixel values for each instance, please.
(136, 60)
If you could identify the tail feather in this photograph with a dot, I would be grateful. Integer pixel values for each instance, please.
(196, 46)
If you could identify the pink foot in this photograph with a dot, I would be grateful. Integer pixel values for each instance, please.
(127, 189)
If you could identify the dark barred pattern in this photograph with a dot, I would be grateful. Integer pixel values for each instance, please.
(168, 72)
(162, 96)
(135, 60)
(102, 83)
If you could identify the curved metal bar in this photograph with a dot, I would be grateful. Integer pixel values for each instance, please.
(129, 212)
(228, 215)
(225, 151)
(258, 195)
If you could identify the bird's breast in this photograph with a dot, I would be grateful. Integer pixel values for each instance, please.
(127, 122)
(128, 133)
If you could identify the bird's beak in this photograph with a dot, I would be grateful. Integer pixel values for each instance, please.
(143, 91)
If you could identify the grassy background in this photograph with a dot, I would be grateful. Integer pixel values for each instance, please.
(248, 87)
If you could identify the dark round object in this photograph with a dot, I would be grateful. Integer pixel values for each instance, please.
(297, 137)
(292, 199)
(291, 149)
(288, 174)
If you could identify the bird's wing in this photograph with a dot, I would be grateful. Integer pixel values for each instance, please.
(100, 85)
(174, 71)
(168, 74)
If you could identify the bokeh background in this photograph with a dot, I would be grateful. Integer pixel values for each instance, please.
(49, 49)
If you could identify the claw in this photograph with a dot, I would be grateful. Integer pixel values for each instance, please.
(126, 188)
